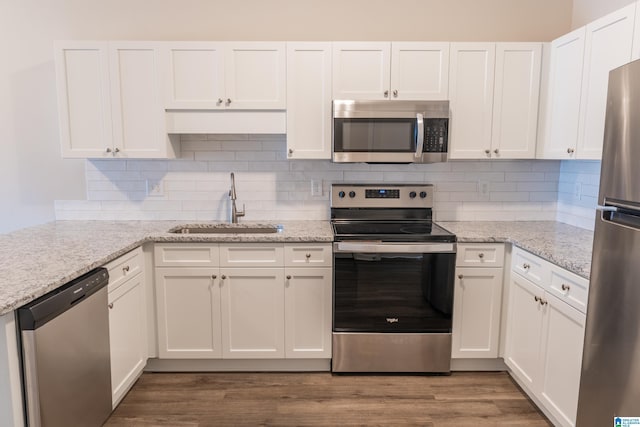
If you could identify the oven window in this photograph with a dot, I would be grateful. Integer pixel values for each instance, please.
(375, 135)
(393, 292)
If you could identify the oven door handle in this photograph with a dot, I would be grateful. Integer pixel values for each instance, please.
(395, 248)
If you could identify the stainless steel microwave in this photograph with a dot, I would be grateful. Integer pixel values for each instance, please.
(390, 131)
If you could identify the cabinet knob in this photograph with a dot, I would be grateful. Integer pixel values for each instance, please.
(116, 150)
(228, 101)
(543, 302)
(386, 93)
(110, 305)
(526, 266)
(308, 256)
(537, 298)
(223, 277)
(395, 93)
(214, 276)
(288, 277)
(125, 269)
(570, 150)
(496, 151)
(220, 101)
(460, 276)
(290, 150)
(108, 150)
(565, 287)
(480, 255)
(487, 152)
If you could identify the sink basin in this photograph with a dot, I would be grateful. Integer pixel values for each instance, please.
(226, 229)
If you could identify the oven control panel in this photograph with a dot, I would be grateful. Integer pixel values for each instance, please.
(382, 195)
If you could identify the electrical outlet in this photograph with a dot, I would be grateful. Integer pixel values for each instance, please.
(577, 192)
(316, 187)
(155, 188)
(483, 188)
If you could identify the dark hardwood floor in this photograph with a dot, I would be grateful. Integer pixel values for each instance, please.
(303, 399)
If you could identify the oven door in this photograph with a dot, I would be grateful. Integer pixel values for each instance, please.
(393, 288)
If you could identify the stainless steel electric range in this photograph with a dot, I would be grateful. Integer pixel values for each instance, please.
(393, 280)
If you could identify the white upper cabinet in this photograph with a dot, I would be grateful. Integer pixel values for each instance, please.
(515, 103)
(419, 71)
(559, 135)
(580, 62)
(309, 100)
(238, 75)
(109, 100)
(471, 80)
(383, 70)
(608, 46)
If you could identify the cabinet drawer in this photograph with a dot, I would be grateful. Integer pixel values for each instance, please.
(480, 255)
(124, 267)
(530, 266)
(569, 287)
(252, 255)
(186, 255)
(304, 254)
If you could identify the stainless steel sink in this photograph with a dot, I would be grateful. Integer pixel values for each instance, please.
(226, 229)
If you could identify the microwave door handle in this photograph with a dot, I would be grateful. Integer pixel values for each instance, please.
(420, 135)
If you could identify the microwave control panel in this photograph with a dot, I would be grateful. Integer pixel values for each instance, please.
(436, 135)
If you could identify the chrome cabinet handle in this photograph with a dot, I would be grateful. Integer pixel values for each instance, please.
(288, 277)
(228, 101)
(395, 93)
(125, 270)
(487, 152)
(308, 256)
(565, 287)
(214, 276)
(460, 276)
(220, 101)
(537, 298)
(570, 150)
(496, 151)
(386, 93)
(290, 150)
(526, 266)
(223, 277)
(110, 305)
(108, 150)
(116, 150)
(480, 255)
(543, 302)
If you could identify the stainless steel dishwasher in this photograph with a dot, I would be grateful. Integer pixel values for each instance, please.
(65, 354)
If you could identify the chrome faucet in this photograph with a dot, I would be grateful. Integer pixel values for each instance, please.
(235, 213)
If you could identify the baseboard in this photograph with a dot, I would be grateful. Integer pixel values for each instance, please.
(478, 365)
(248, 365)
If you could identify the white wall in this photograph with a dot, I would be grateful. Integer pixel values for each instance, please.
(32, 174)
(578, 187)
(585, 11)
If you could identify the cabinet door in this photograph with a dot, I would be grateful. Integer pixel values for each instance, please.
(188, 305)
(608, 46)
(252, 313)
(515, 101)
(562, 111)
(524, 330)
(561, 359)
(84, 104)
(255, 76)
(308, 307)
(194, 75)
(476, 312)
(419, 70)
(136, 107)
(471, 93)
(361, 70)
(309, 100)
(127, 335)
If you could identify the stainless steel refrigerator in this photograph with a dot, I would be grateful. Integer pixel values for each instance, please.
(610, 381)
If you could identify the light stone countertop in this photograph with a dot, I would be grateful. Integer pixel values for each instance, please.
(36, 260)
(562, 244)
(39, 259)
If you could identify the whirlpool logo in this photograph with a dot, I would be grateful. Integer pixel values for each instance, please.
(392, 320)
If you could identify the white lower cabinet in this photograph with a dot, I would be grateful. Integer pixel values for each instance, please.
(249, 306)
(544, 342)
(127, 323)
(477, 303)
(252, 301)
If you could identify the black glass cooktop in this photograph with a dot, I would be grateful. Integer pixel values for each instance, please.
(391, 231)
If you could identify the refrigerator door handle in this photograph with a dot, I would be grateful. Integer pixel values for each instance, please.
(606, 208)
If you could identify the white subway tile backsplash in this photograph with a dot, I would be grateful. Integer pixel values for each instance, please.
(196, 186)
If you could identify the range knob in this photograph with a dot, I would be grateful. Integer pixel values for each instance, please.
(341, 194)
(423, 194)
(412, 194)
(352, 194)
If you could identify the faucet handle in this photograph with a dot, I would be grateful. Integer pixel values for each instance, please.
(242, 212)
